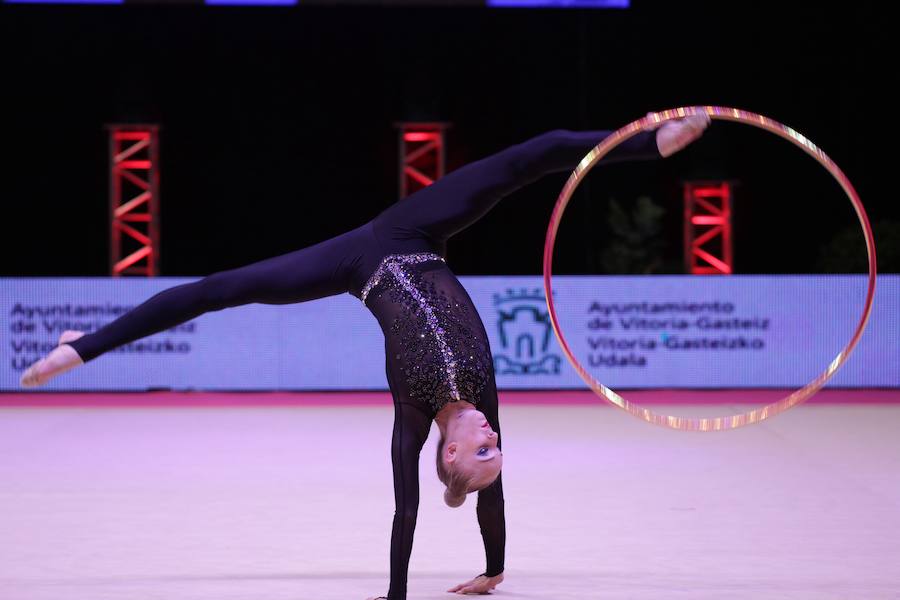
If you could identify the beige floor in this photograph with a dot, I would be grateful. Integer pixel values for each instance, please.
(296, 503)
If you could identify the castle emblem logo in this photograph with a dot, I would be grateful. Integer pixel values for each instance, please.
(524, 330)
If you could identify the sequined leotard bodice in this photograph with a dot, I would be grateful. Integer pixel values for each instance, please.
(433, 338)
(435, 344)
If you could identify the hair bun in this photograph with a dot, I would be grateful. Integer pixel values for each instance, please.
(453, 501)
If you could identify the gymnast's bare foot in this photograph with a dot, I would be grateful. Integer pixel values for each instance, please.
(69, 336)
(672, 136)
(63, 358)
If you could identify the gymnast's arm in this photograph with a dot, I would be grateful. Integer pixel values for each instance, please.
(411, 427)
(490, 512)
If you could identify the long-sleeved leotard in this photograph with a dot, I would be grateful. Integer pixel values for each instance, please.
(435, 344)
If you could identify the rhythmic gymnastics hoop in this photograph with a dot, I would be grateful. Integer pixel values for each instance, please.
(651, 122)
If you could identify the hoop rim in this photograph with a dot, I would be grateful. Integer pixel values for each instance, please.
(651, 122)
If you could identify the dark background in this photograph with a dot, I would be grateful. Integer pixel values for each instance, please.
(277, 125)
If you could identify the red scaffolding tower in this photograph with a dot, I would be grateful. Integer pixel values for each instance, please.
(422, 158)
(707, 228)
(134, 200)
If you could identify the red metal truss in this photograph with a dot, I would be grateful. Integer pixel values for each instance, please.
(422, 157)
(707, 228)
(134, 200)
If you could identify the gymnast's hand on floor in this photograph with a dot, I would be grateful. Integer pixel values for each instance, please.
(479, 585)
(672, 136)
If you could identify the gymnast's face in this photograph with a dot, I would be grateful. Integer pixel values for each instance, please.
(472, 448)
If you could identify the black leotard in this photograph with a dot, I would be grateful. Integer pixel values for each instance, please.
(435, 344)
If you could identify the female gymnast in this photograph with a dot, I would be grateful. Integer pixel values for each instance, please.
(438, 363)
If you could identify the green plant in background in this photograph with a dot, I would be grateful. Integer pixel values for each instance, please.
(636, 244)
(846, 252)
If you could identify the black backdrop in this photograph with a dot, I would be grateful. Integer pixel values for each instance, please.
(277, 123)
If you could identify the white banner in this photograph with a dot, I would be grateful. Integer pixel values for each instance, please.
(630, 332)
